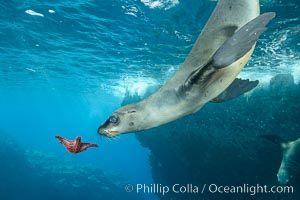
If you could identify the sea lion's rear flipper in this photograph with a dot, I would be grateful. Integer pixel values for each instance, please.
(242, 41)
(237, 88)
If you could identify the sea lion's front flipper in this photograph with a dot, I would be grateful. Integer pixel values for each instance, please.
(196, 77)
(242, 41)
(237, 88)
(233, 49)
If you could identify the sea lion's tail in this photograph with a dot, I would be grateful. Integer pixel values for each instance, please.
(275, 139)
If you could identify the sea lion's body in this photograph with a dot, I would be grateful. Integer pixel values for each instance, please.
(200, 79)
(222, 23)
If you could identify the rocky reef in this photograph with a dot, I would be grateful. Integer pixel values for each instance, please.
(14, 169)
(31, 174)
(221, 144)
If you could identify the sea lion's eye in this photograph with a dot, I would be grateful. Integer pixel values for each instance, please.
(113, 119)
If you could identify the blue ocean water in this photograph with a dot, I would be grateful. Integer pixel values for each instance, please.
(66, 65)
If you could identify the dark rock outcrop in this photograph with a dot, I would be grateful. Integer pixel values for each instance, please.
(220, 144)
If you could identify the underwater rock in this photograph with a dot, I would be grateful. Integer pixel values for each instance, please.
(35, 175)
(75, 181)
(281, 83)
(220, 144)
(14, 169)
(135, 97)
(282, 80)
(130, 98)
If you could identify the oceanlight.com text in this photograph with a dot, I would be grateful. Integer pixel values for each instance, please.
(208, 188)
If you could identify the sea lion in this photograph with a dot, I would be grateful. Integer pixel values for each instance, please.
(290, 164)
(207, 75)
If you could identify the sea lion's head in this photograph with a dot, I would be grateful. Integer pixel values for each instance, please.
(125, 119)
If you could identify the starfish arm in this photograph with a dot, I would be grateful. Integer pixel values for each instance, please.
(63, 140)
(59, 138)
(85, 146)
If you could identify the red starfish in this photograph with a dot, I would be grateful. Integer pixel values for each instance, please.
(75, 146)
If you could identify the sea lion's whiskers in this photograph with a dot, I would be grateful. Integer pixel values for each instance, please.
(101, 139)
(115, 137)
(106, 139)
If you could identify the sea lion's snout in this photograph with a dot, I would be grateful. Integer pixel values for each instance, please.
(100, 130)
(126, 119)
(107, 133)
(110, 128)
